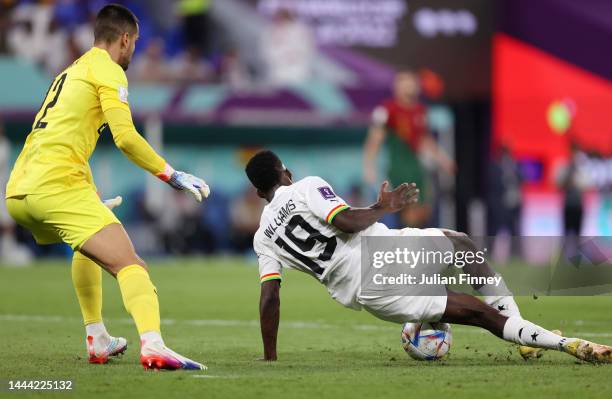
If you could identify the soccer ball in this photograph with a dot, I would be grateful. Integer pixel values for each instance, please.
(425, 341)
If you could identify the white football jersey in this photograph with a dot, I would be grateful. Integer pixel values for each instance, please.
(295, 231)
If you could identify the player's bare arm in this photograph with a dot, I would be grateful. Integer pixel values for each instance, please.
(269, 316)
(375, 139)
(297, 218)
(354, 220)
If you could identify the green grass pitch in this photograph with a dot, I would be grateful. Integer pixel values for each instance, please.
(210, 308)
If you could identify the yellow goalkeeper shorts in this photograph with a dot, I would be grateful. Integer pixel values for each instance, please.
(72, 216)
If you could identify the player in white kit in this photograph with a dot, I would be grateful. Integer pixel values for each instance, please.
(307, 227)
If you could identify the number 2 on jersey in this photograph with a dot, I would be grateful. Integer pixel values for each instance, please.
(306, 245)
(57, 88)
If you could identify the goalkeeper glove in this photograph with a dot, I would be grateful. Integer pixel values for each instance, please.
(185, 182)
(113, 202)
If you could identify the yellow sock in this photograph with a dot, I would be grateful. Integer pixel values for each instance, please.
(139, 298)
(87, 281)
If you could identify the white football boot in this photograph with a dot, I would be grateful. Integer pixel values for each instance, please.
(155, 355)
(100, 348)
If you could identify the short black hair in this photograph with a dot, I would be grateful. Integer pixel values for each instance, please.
(112, 21)
(263, 170)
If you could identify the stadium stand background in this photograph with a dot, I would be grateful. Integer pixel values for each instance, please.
(213, 81)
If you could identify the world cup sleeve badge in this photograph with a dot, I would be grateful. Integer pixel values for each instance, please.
(326, 192)
(123, 94)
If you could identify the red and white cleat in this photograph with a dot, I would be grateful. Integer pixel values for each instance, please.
(157, 356)
(99, 351)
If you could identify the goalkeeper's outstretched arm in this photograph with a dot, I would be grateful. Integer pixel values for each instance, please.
(138, 150)
(132, 144)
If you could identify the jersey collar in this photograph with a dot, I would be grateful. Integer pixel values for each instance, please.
(98, 50)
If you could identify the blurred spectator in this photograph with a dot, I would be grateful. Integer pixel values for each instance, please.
(183, 228)
(56, 54)
(505, 199)
(6, 7)
(10, 251)
(161, 13)
(151, 66)
(288, 50)
(573, 181)
(196, 24)
(190, 66)
(37, 38)
(233, 71)
(71, 13)
(402, 122)
(244, 215)
(505, 193)
(82, 35)
(511, 181)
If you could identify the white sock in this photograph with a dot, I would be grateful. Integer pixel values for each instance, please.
(100, 335)
(495, 290)
(96, 330)
(503, 304)
(151, 337)
(524, 332)
(499, 298)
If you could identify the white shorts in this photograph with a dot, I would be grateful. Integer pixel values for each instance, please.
(415, 308)
(404, 309)
(409, 231)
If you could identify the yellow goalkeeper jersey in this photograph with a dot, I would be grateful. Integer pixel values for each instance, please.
(64, 134)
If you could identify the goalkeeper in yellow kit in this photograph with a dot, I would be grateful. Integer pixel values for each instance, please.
(51, 190)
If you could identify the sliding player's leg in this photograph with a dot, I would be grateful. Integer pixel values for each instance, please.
(468, 310)
(112, 248)
(498, 297)
(87, 281)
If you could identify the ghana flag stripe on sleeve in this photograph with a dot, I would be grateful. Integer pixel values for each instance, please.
(332, 214)
(270, 276)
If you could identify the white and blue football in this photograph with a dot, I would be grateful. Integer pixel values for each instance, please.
(426, 341)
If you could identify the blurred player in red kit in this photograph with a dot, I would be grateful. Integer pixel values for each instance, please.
(402, 121)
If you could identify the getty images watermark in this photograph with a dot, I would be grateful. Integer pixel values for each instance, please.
(401, 266)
